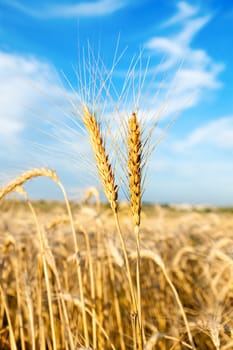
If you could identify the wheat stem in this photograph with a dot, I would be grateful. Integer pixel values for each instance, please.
(148, 254)
(13, 345)
(129, 276)
(79, 271)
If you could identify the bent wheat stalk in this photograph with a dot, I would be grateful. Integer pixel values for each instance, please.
(16, 185)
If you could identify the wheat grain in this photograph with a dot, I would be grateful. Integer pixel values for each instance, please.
(134, 167)
(102, 160)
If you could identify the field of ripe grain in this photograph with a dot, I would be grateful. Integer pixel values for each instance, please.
(64, 282)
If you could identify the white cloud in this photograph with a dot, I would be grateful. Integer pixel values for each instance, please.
(217, 133)
(194, 70)
(10, 128)
(36, 125)
(178, 45)
(21, 77)
(82, 9)
(33, 118)
(191, 28)
(185, 11)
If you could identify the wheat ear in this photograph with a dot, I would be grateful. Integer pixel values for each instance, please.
(134, 167)
(20, 180)
(102, 161)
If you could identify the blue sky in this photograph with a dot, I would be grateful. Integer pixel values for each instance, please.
(182, 48)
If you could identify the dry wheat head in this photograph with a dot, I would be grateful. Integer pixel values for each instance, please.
(134, 167)
(20, 180)
(102, 161)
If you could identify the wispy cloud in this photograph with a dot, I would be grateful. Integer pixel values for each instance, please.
(36, 121)
(17, 96)
(83, 9)
(29, 89)
(177, 47)
(184, 12)
(218, 133)
(195, 71)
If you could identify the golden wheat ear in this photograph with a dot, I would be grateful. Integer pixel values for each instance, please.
(26, 176)
(134, 167)
(102, 160)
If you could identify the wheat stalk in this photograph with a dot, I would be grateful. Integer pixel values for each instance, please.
(26, 176)
(148, 254)
(134, 174)
(103, 165)
(111, 191)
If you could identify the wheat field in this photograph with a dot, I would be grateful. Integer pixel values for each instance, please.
(41, 303)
